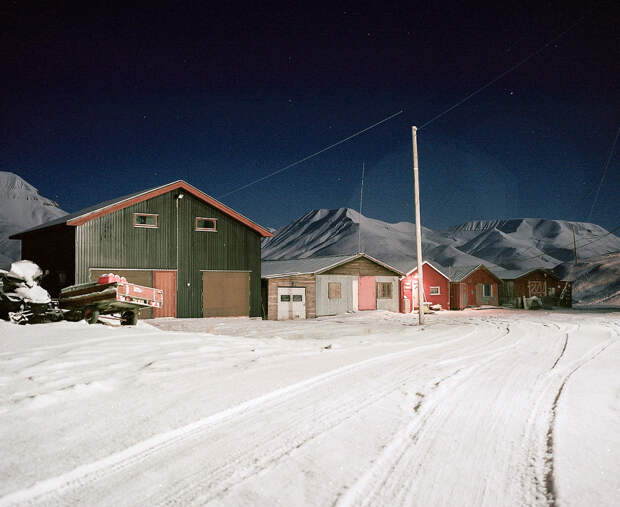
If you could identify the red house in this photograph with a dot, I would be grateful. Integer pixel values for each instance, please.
(473, 286)
(436, 288)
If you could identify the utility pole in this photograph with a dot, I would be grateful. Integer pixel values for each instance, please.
(359, 228)
(418, 227)
(574, 242)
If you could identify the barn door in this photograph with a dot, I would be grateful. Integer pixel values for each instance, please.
(166, 281)
(225, 294)
(367, 293)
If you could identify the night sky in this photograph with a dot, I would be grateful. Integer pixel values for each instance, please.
(97, 103)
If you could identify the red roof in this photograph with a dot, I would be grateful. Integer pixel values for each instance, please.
(148, 194)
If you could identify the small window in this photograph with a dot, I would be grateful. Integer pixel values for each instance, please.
(384, 290)
(486, 290)
(297, 297)
(206, 224)
(285, 298)
(334, 290)
(435, 291)
(145, 220)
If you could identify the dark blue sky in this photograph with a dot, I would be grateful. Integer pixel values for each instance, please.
(97, 103)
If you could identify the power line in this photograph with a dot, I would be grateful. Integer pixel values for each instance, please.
(505, 73)
(263, 178)
(600, 183)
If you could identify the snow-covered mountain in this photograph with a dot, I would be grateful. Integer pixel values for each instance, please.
(523, 243)
(337, 232)
(511, 244)
(21, 207)
(596, 280)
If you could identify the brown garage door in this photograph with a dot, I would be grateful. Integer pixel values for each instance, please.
(225, 294)
(139, 277)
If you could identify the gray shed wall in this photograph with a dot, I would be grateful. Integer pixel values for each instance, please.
(326, 306)
(391, 305)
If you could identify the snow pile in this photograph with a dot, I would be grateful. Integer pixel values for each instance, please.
(21, 207)
(596, 280)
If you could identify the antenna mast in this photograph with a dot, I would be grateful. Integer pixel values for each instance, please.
(359, 229)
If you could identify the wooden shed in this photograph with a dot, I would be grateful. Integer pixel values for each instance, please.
(317, 286)
(203, 254)
(541, 282)
(436, 287)
(472, 286)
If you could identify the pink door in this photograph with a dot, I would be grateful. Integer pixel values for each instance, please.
(167, 281)
(367, 294)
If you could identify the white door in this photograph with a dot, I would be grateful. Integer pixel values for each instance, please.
(291, 303)
(355, 294)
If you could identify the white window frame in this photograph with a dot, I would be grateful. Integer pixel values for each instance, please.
(437, 293)
(484, 286)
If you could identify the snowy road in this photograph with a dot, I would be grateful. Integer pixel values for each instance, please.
(476, 408)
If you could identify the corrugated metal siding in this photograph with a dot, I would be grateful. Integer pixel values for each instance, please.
(112, 241)
(326, 306)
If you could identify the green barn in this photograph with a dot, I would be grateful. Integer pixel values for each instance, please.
(203, 254)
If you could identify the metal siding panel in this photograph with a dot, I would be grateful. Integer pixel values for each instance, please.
(326, 306)
(390, 305)
(234, 247)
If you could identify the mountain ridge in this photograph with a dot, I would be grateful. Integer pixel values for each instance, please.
(516, 243)
(21, 207)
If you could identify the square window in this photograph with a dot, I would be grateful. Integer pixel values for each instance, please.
(297, 297)
(334, 290)
(206, 224)
(435, 291)
(384, 290)
(285, 298)
(148, 220)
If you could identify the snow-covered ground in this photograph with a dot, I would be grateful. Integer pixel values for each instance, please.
(480, 407)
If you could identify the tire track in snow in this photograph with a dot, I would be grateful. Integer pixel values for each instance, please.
(549, 479)
(391, 470)
(221, 479)
(54, 488)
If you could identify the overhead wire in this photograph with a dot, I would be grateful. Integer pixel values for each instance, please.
(600, 183)
(500, 76)
(436, 117)
(263, 178)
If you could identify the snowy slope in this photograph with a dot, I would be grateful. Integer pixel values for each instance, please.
(336, 232)
(21, 207)
(523, 243)
(596, 281)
